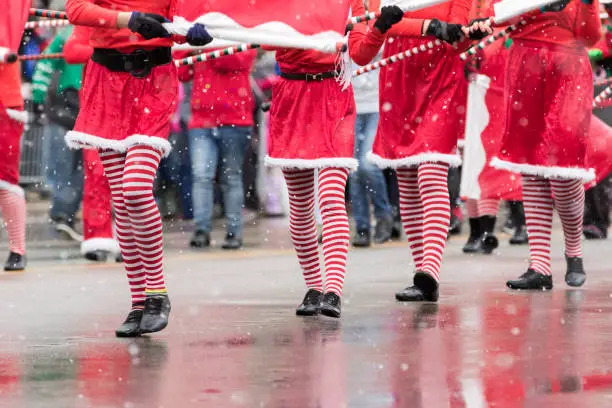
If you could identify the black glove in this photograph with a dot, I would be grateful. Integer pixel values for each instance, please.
(198, 36)
(389, 15)
(450, 33)
(556, 6)
(478, 34)
(148, 25)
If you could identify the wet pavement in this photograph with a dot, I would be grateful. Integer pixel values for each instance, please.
(234, 341)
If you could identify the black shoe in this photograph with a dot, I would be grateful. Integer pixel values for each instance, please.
(232, 242)
(155, 314)
(96, 256)
(131, 325)
(67, 230)
(488, 241)
(383, 230)
(330, 305)
(425, 289)
(520, 236)
(362, 239)
(119, 258)
(456, 221)
(473, 243)
(593, 232)
(575, 275)
(15, 262)
(200, 239)
(531, 280)
(310, 304)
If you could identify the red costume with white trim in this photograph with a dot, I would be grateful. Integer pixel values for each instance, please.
(97, 214)
(118, 110)
(550, 89)
(422, 98)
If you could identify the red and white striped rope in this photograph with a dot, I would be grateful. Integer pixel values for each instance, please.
(397, 57)
(607, 81)
(603, 95)
(214, 54)
(46, 23)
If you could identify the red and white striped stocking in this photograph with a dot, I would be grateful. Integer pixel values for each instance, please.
(13, 208)
(538, 204)
(411, 212)
(569, 202)
(488, 207)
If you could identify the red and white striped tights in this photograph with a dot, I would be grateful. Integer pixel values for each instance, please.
(482, 207)
(425, 212)
(139, 227)
(302, 225)
(13, 209)
(538, 201)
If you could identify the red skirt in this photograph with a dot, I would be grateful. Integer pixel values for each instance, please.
(550, 91)
(10, 149)
(119, 111)
(311, 125)
(422, 106)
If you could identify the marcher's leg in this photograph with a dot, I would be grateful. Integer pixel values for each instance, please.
(411, 210)
(13, 209)
(358, 189)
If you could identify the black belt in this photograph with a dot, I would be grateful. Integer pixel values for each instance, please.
(309, 77)
(138, 63)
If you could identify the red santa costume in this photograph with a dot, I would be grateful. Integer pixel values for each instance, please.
(97, 213)
(550, 90)
(12, 201)
(127, 100)
(422, 110)
(311, 127)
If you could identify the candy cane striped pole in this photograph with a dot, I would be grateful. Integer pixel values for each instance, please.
(214, 54)
(490, 40)
(602, 96)
(606, 103)
(48, 13)
(366, 17)
(46, 23)
(38, 57)
(397, 57)
(603, 82)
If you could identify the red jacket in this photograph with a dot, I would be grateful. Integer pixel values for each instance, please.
(104, 13)
(221, 94)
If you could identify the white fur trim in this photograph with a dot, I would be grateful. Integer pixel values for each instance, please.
(77, 140)
(5, 185)
(348, 163)
(545, 171)
(100, 244)
(453, 160)
(17, 115)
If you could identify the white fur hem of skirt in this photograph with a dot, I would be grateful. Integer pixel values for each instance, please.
(549, 172)
(79, 140)
(100, 244)
(341, 162)
(452, 160)
(5, 185)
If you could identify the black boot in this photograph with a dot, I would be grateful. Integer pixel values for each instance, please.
(96, 256)
(362, 239)
(519, 237)
(200, 239)
(575, 275)
(517, 214)
(15, 262)
(456, 221)
(131, 325)
(232, 242)
(425, 289)
(310, 304)
(488, 240)
(330, 305)
(473, 243)
(155, 313)
(531, 280)
(383, 230)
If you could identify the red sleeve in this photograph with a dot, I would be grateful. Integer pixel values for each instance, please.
(587, 27)
(459, 12)
(83, 12)
(412, 27)
(77, 49)
(364, 41)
